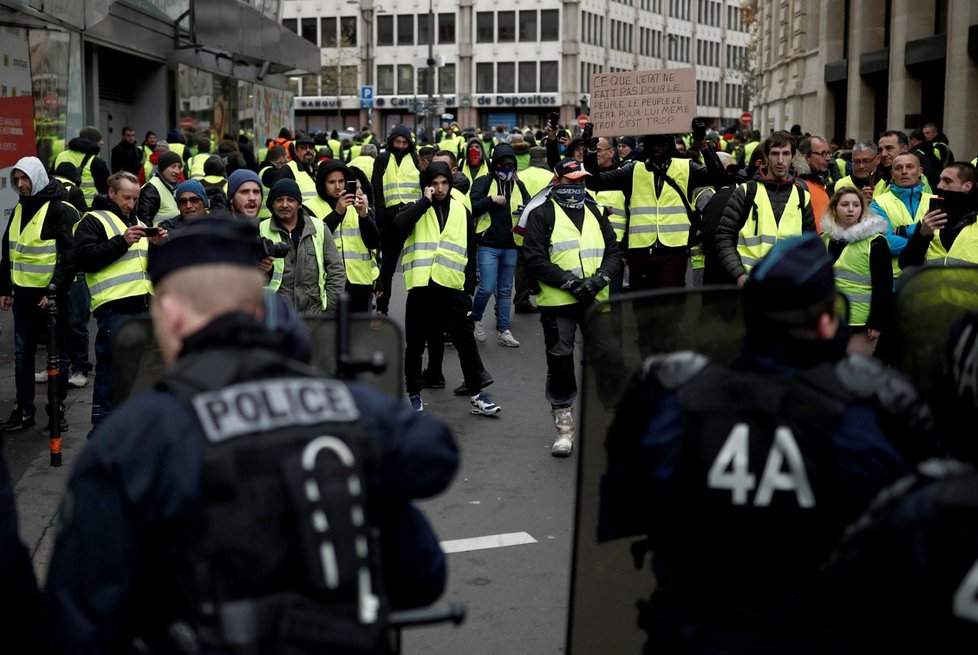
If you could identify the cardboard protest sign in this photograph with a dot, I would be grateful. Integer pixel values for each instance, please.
(633, 103)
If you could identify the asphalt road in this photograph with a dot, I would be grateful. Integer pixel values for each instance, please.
(509, 491)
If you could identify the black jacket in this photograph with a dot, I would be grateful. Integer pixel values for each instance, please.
(499, 234)
(408, 217)
(384, 220)
(148, 205)
(536, 243)
(127, 157)
(735, 216)
(58, 223)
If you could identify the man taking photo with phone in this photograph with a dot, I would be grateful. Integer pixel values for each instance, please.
(946, 235)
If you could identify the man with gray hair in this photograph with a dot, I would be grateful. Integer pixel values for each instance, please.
(865, 157)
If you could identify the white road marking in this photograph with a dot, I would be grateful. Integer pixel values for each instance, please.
(490, 541)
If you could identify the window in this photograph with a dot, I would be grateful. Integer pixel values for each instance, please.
(528, 76)
(385, 30)
(405, 79)
(446, 28)
(484, 29)
(328, 30)
(348, 31)
(446, 79)
(309, 30)
(329, 80)
(528, 25)
(507, 26)
(483, 78)
(385, 80)
(549, 72)
(549, 24)
(291, 24)
(310, 85)
(422, 29)
(294, 85)
(348, 81)
(423, 81)
(505, 77)
(405, 29)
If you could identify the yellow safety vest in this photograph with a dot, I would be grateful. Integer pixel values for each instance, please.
(168, 203)
(178, 149)
(535, 179)
(760, 231)
(264, 211)
(353, 152)
(462, 198)
(197, 165)
(278, 264)
(87, 180)
(336, 146)
(361, 266)
(365, 164)
(32, 259)
(214, 180)
(126, 277)
(661, 218)
(516, 200)
(614, 202)
(579, 252)
(307, 185)
(401, 184)
(432, 254)
(853, 277)
(147, 164)
(898, 215)
(467, 171)
(964, 250)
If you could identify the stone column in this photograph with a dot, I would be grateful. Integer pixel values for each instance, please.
(910, 20)
(961, 94)
(865, 35)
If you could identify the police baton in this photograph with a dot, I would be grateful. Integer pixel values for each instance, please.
(347, 367)
(54, 379)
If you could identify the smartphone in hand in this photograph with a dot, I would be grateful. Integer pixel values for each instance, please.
(936, 204)
(151, 231)
(351, 187)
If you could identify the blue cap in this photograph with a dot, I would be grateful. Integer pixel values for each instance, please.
(239, 177)
(194, 187)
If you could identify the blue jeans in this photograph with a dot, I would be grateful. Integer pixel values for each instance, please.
(30, 324)
(497, 267)
(108, 320)
(79, 313)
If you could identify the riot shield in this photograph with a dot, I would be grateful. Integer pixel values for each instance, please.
(610, 579)
(928, 302)
(137, 365)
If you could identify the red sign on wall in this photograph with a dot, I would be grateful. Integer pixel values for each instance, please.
(16, 129)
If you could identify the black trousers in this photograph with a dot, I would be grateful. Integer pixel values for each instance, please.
(391, 244)
(430, 313)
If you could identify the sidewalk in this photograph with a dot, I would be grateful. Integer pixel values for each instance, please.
(37, 485)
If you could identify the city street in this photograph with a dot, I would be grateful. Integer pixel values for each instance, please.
(509, 491)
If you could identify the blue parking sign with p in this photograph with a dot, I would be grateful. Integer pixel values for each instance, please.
(366, 92)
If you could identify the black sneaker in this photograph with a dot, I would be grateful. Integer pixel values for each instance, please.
(484, 378)
(432, 381)
(19, 419)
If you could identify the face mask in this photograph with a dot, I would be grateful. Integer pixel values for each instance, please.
(956, 203)
(569, 195)
(505, 173)
(475, 157)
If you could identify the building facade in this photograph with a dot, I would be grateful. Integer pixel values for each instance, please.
(505, 62)
(848, 69)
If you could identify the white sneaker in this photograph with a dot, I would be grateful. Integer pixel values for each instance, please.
(41, 377)
(563, 446)
(506, 338)
(564, 422)
(479, 332)
(77, 380)
(482, 405)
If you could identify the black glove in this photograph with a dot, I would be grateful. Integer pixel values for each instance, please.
(699, 129)
(600, 280)
(588, 135)
(570, 283)
(586, 292)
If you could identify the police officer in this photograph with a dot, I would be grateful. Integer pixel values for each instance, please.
(349, 217)
(175, 475)
(752, 471)
(111, 248)
(572, 252)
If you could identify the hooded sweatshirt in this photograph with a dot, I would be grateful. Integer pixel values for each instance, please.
(380, 167)
(368, 227)
(58, 223)
(499, 234)
(482, 168)
(100, 170)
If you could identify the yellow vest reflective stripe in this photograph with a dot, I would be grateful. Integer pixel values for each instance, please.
(661, 218)
(853, 277)
(361, 266)
(579, 252)
(964, 250)
(898, 215)
(168, 203)
(126, 277)
(87, 180)
(760, 231)
(278, 264)
(516, 200)
(307, 185)
(432, 254)
(614, 202)
(197, 165)
(32, 259)
(401, 183)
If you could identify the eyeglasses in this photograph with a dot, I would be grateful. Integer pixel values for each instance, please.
(826, 154)
(191, 200)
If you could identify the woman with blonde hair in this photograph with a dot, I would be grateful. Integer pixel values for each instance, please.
(863, 268)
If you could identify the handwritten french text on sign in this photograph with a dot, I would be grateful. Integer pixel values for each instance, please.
(634, 103)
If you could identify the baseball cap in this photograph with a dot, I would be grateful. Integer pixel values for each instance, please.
(571, 168)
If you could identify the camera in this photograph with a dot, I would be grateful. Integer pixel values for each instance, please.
(271, 248)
